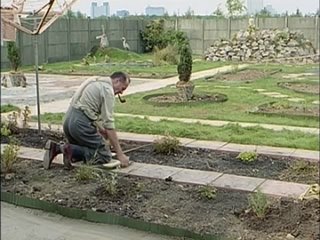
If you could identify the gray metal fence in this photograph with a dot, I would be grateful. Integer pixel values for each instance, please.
(71, 39)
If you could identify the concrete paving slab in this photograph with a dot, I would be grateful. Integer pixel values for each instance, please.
(242, 183)
(232, 147)
(260, 90)
(195, 176)
(296, 99)
(155, 171)
(132, 167)
(214, 145)
(280, 96)
(312, 156)
(275, 151)
(283, 189)
(270, 93)
(136, 137)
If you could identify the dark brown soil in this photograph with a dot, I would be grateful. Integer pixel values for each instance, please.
(243, 75)
(177, 205)
(312, 88)
(174, 98)
(202, 159)
(289, 109)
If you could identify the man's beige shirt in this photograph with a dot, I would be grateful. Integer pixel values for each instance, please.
(95, 97)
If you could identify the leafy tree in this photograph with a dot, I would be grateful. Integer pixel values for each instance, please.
(235, 7)
(70, 14)
(185, 64)
(14, 56)
(155, 35)
(218, 12)
(297, 13)
(80, 15)
(264, 13)
(189, 13)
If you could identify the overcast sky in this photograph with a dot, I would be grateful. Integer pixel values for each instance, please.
(200, 7)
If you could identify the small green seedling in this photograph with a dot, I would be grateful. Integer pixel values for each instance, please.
(208, 192)
(85, 173)
(26, 112)
(247, 156)
(258, 203)
(5, 131)
(166, 145)
(109, 182)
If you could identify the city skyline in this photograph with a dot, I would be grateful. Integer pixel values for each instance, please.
(204, 7)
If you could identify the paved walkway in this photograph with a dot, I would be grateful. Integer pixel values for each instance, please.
(218, 123)
(309, 155)
(199, 177)
(24, 224)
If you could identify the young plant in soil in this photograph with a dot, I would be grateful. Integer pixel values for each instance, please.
(110, 183)
(5, 131)
(85, 173)
(26, 112)
(258, 203)
(248, 157)
(166, 145)
(208, 192)
(9, 156)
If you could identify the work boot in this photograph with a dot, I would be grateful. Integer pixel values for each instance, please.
(67, 156)
(52, 150)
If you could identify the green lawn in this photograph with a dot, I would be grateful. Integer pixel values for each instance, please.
(229, 133)
(118, 60)
(9, 108)
(240, 100)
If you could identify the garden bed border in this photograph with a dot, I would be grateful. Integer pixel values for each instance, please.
(98, 217)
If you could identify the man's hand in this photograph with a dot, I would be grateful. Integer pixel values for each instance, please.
(124, 159)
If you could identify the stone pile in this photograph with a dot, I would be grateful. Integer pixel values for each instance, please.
(263, 45)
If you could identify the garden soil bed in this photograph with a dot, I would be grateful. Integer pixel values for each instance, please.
(289, 110)
(247, 75)
(167, 98)
(280, 168)
(168, 203)
(312, 88)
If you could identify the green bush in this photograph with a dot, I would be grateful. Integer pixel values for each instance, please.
(110, 183)
(9, 155)
(155, 35)
(166, 145)
(85, 173)
(5, 130)
(9, 108)
(208, 192)
(14, 56)
(185, 64)
(166, 55)
(247, 156)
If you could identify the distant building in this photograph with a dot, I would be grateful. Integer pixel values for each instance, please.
(254, 6)
(122, 13)
(155, 11)
(270, 9)
(99, 11)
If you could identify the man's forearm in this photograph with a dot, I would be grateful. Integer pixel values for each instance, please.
(113, 138)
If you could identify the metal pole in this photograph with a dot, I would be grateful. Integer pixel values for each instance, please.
(36, 62)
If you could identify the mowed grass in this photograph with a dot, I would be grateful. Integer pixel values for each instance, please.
(228, 133)
(118, 60)
(9, 108)
(242, 98)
